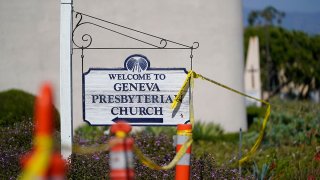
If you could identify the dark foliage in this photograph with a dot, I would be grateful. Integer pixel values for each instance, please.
(159, 148)
(17, 106)
(15, 141)
(89, 166)
(90, 133)
(254, 112)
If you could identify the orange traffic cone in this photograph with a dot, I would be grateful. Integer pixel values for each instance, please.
(58, 167)
(121, 155)
(184, 131)
(42, 162)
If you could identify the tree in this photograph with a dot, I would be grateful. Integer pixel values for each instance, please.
(295, 54)
(266, 18)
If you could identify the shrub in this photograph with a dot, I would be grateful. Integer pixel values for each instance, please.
(157, 130)
(284, 129)
(88, 166)
(263, 173)
(17, 106)
(95, 166)
(15, 141)
(206, 131)
(290, 140)
(254, 112)
(200, 132)
(87, 133)
(158, 148)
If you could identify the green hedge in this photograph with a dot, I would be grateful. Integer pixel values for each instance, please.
(17, 106)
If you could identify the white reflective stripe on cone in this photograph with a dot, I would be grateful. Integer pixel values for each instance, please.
(182, 139)
(117, 160)
(185, 160)
(130, 159)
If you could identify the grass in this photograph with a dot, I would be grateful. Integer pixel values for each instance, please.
(289, 146)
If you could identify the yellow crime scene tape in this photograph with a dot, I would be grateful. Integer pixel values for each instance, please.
(152, 165)
(189, 82)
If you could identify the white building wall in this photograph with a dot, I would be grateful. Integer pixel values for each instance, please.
(29, 53)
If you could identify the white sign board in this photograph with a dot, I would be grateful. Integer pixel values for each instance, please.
(136, 93)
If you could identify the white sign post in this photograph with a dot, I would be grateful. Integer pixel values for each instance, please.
(136, 93)
(66, 77)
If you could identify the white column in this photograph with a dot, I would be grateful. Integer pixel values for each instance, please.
(66, 77)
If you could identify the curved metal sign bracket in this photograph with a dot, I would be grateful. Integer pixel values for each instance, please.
(86, 39)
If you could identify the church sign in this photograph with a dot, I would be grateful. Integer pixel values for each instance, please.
(137, 93)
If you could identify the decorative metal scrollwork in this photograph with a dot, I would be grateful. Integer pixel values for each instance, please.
(86, 39)
(164, 43)
(195, 45)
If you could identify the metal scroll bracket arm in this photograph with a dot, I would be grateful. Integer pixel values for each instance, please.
(86, 40)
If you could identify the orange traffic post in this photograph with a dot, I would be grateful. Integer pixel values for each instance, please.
(41, 161)
(121, 152)
(58, 167)
(184, 131)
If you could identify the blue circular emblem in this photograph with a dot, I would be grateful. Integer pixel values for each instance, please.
(136, 63)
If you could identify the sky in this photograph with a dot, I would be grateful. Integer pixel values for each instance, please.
(306, 6)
